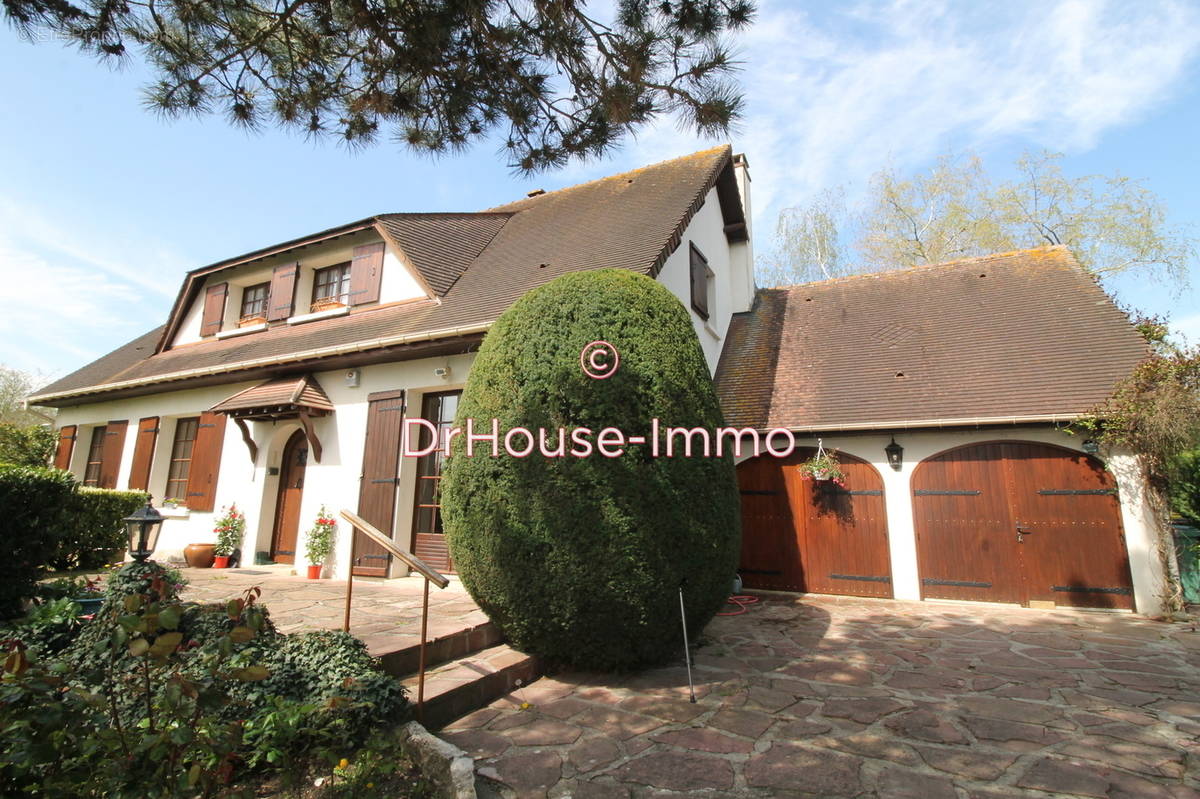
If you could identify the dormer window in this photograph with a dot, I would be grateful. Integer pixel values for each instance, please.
(254, 302)
(331, 286)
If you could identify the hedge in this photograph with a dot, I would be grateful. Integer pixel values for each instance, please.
(580, 560)
(92, 530)
(32, 500)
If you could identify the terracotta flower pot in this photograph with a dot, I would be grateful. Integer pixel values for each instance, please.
(314, 572)
(199, 556)
(220, 561)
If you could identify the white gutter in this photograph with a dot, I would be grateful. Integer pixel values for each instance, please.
(322, 352)
(927, 423)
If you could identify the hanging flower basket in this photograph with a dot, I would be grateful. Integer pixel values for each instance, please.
(824, 466)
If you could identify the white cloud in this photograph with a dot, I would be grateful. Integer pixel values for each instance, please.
(835, 95)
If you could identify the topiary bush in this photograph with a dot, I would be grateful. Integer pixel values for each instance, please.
(580, 559)
(92, 531)
(31, 504)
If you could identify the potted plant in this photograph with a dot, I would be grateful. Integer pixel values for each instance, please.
(325, 304)
(823, 466)
(252, 319)
(229, 529)
(320, 543)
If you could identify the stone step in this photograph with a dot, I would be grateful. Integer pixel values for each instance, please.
(468, 683)
(400, 655)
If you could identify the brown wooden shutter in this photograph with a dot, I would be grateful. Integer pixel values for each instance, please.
(377, 491)
(66, 446)
(214, 309)
(143, 454)
(366, 272)
(110, 453)
(206, 462)
(282, 296)
(699, 265)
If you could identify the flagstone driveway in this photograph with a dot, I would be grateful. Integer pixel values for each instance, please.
(820, 696)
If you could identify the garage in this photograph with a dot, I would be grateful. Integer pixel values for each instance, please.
(1020, 522)
(815, 536)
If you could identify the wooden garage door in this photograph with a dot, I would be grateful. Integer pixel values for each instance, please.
(803, 535)
(1018, 522)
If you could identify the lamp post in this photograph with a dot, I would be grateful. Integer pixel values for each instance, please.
(895, 454)
(143, 526)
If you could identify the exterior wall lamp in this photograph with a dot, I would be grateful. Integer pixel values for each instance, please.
(895, 454)
(1090, 446)
(143, 526)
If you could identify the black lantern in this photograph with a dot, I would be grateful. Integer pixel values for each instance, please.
(895, 454)
(143, 525)
(1091, 446)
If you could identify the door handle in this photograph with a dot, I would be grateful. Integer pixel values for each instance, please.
(1022, 531)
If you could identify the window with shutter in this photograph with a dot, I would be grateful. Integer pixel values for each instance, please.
(91, 472)
(181, 458)
(331, 285)
(205, 463)
(700, 280)
(254, 302)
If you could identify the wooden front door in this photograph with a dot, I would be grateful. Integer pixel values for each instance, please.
(377, 489)
(429, 542)
(1019, 522)
(291, 491)
(806, 535)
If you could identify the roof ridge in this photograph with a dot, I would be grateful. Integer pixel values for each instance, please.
(443, 213)
(622, 175)
(904, 270)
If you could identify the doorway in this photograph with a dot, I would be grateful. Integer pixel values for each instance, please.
(291, 492)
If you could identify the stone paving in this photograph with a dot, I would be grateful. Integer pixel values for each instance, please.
(833, 697)
(384, 614)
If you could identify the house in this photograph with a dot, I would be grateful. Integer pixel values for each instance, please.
(967, 372)
(281, 378)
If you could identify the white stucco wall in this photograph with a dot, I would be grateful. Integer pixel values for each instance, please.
(706, 231)
(919, 445)
(333, 482)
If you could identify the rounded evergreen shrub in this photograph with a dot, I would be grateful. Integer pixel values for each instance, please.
(580, 559)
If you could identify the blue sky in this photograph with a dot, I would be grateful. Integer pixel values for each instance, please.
(104, 206)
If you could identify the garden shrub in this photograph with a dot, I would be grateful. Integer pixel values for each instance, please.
(27, 445)
(153, 699)
(92, 531)
(1185, 487)
(580, 560)
(31, 505)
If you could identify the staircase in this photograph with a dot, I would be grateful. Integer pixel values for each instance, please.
(464, 670)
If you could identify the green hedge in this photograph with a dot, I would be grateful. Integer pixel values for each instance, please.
(1185, 487)
(92, 529)
(580, 560)
(32, 501)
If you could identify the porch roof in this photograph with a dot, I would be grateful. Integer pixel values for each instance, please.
(284, 397)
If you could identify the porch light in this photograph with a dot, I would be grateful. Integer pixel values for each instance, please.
(143, 526)
(1090, 446)
(895, 454)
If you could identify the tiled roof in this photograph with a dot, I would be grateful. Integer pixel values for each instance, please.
(479, 264)
(1007, 337)
(289, 393)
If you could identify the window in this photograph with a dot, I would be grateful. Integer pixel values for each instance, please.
(701, 278)
(439, 409)
(181, 458)
(332, 283)
(254, 300)
(95, 458)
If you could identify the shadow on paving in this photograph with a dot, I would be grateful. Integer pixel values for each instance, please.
(833, 697)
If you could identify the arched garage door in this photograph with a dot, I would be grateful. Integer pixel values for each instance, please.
(802, 535)
(1019, 522)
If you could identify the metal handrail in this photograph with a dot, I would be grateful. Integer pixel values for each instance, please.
(430, 574)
